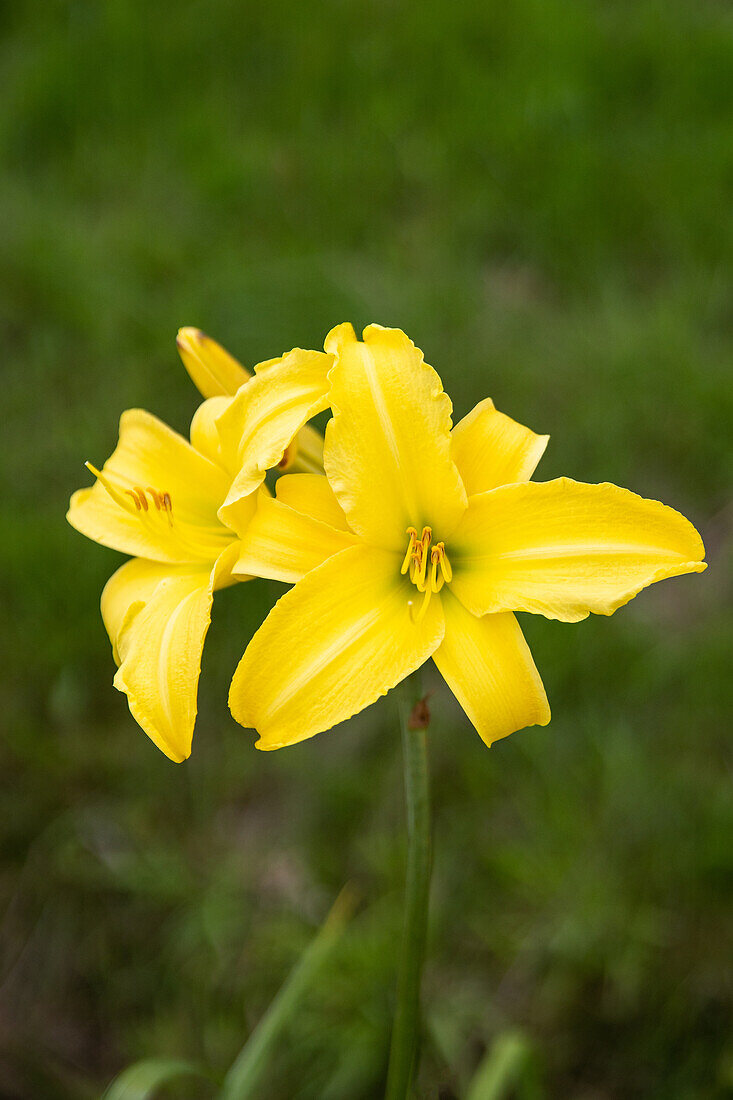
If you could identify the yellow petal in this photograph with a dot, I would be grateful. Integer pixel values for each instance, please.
(149, 462)
(268, 412)
(489, 668)
(563, 549)
(284, 545)
(214, 372)
(312, 495)
(159, 647)
(387, 452)
(491, 449)
(128, 590)
(333, 644)
(205, 434)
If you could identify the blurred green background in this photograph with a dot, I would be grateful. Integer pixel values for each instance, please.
(539, 193)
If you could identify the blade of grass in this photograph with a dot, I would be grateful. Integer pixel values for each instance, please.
(245, 1073)
(507, 1064)
(142, 1080)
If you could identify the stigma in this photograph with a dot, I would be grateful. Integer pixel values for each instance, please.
(427, 565)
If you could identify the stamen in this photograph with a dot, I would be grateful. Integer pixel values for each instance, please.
(436, 581)
(167, 506)
(137, 495)
(117, 496)
(421, 570)
(407, 563)
(416, 563)
(445, 566)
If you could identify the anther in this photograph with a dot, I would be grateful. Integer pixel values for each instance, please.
(143, 497)
(133, 494)
(167, 505)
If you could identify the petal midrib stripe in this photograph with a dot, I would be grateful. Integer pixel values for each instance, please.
(548, 553)
(382, 410)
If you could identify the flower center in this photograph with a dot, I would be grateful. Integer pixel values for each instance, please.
(426, 578)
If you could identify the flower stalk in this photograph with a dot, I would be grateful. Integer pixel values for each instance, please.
(414, 720)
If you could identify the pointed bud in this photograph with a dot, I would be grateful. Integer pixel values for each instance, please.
(214, 371)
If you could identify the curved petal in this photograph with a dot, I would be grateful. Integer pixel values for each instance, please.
(214, 372)
(387, 452)
(283, 545)
(491, 449)
(489, 668)
(563, 549)
(331, 646)
(127, 591)
(268, 412)
(157, 619)
(158, 496)
(312, 495)
(204, 433)
(159, 652)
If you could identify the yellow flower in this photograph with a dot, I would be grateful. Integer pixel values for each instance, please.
(423, 542)
(173, 505)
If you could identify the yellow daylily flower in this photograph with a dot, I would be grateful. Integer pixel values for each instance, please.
(421, 541)
(172, 504)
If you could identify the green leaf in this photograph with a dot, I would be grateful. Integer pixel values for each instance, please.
(142, 1080)
(245, 1073)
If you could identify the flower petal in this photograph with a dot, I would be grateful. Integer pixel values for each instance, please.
(214, 372)
(267, 413)
(333, 644)
(205, 434)
(151, 459)
(491, 449)
(157, 617)
(127, 591)
(563, 549)
(312, 495)
(387, 452)
(283, 545)
(489, 668)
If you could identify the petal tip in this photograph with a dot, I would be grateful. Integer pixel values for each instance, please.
(338, 337)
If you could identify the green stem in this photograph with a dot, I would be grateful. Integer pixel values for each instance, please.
(405, 1030)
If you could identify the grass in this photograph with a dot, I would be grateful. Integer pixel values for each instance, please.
(540, 194)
